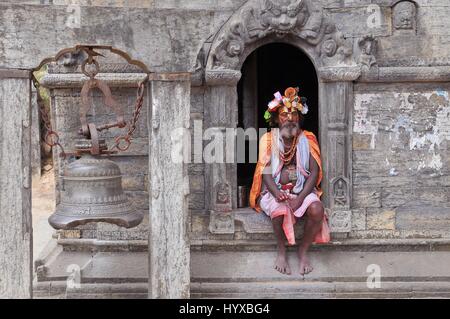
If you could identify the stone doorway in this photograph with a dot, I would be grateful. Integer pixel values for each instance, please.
(271, 68)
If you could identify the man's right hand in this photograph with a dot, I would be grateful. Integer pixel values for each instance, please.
(281, 196)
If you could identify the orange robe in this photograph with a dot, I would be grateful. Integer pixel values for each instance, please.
(265, 150)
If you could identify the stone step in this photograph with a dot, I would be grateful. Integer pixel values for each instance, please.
(328, 266)
(60, 290)
(238, 274)
(99, 267)
(314, 290)
(259, 290)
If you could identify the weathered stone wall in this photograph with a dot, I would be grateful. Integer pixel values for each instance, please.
(167, 35)
(401, 181)
(167, 38)
(400, 106)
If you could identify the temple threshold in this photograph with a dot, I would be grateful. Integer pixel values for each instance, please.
(349, 268)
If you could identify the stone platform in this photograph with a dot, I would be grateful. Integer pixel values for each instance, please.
(408, 269)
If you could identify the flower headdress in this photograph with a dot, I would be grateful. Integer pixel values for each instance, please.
(291, 100)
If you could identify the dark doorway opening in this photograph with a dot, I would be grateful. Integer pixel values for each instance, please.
(271, 68)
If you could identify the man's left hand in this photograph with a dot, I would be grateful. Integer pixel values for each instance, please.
(296, 202)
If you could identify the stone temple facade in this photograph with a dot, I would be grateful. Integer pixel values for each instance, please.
(376, 73)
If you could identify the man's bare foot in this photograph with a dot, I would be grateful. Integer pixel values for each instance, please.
(304, 264)
(282, 265)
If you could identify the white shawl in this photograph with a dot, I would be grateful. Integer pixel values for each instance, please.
(302, 159)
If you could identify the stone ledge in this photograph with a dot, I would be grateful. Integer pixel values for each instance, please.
(94, 245)
(304, 289)
(15, 74)
(315, 290)
(407, 74)
(76, 80)
(335, 245)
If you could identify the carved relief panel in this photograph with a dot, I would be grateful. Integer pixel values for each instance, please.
(279, 20)
(404, 15)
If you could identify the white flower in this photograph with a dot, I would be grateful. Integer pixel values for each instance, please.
(278, 96)
(273, 104)
(305, 109)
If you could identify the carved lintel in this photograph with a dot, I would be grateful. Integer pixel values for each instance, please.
(222, 77)
(333, 74)
(340, 221)
(221, 223)
(76, 80)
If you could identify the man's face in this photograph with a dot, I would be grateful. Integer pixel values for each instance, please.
(288, 116)
(288, 120)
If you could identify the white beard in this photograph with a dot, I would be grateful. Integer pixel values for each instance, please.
(289, 130)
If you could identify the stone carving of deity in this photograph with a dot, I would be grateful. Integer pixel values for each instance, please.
(222, 194)
(340, 193)
(367, 46)
(404, 15)
(282, 16)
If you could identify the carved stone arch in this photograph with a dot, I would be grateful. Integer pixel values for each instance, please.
(338, 62)
(288, 39)
(300, 23)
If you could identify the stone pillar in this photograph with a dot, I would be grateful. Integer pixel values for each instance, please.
(221, 112)
(336, 147)
(168, 122)
(35, 136)
(15, 185)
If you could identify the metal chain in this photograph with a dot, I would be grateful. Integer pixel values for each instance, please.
(136, 113)
(51, 138)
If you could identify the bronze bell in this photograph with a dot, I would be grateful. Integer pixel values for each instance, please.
(92, 192)
(91, 189)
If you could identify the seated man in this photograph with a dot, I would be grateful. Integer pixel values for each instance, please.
(287, 177)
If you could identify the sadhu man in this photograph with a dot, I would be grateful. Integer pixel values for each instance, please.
(286, 184)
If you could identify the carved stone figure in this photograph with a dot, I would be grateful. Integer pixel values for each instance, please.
(223, 194)
(283, 16)
(367, 46)
(404, 15)
(340, 193)
(230, 47)
(221, 223)
(340, 221)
